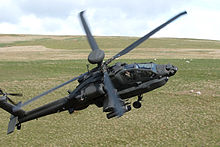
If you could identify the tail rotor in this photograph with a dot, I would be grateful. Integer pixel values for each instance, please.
(5, 96)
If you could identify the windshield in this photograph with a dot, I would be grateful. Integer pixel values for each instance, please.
(145, 65)
(150, 66)
(128, 66)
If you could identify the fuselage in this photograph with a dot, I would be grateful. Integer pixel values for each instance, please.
(129, 80)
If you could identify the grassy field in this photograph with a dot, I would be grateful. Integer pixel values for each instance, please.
(174, 115)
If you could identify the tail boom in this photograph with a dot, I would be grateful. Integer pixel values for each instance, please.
(50, 108)
(20, 116)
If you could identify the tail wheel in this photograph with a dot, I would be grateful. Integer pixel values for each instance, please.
(19, 127)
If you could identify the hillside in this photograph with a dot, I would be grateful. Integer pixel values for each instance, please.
(184, 112)
(28, 47)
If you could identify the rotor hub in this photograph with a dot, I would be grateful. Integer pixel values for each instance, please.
(96, 56)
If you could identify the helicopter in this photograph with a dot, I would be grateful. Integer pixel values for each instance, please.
(106, 86)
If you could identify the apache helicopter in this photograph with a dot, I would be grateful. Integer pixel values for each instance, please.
(105, 86)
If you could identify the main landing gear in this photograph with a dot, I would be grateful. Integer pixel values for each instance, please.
(137, 104)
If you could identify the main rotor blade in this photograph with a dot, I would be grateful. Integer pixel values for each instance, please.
(112, 95)
(49, 91)
(90, 38)
(141, 40)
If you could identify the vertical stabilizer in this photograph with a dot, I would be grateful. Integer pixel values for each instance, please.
(12, 123)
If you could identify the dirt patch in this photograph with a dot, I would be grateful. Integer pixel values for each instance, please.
(30, 53)
(10, 38)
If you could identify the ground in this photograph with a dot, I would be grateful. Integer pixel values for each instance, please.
(184, 112)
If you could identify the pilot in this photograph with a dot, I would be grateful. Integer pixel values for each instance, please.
(128, 74)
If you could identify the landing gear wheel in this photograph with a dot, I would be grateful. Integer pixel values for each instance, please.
(19, 126)
(137, 104)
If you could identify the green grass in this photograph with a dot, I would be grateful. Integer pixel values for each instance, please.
(169, 116)
(80, 42)
(40, 69)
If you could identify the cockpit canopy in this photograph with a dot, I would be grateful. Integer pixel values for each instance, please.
(132, 74)
(150, 66)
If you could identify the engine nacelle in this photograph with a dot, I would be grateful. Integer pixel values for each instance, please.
(92, 91)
